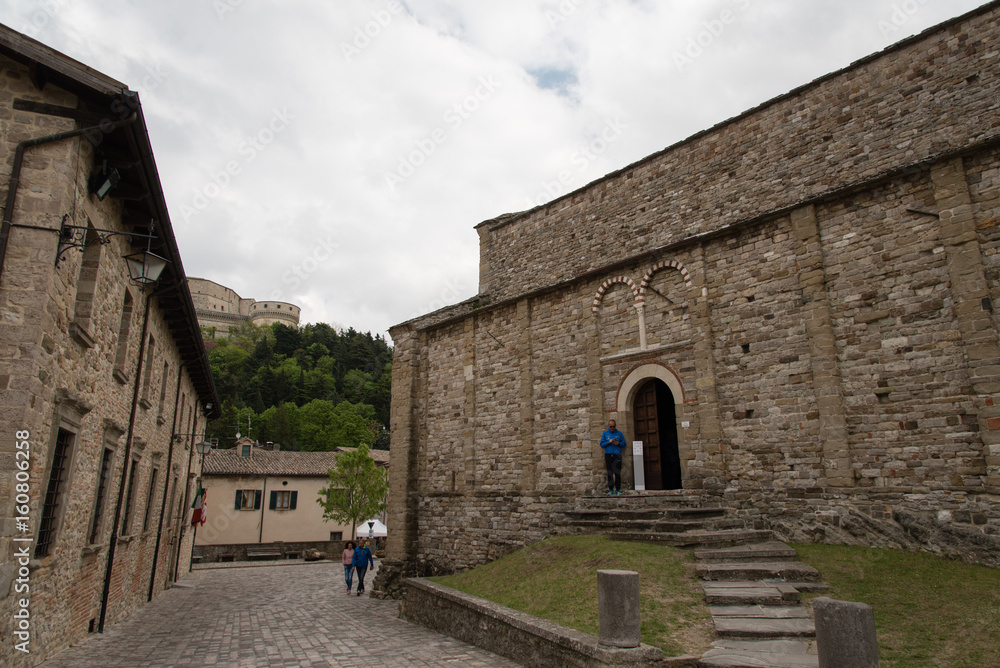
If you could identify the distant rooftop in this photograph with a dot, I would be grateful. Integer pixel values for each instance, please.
(277, 462)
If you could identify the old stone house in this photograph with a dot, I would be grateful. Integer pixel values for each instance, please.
(262, 502)
(794, 310)
(104, 382)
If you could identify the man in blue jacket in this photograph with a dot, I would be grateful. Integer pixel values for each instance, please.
(362, 560)
(612, 441)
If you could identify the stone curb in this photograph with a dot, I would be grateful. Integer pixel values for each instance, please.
(521, 637)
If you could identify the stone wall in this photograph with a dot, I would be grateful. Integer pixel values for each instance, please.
(68, 364)
(209, 554)
(814, 282)
(926, 96)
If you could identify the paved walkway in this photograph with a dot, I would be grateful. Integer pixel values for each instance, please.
(279, 615)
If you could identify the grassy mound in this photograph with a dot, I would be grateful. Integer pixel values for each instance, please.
(556, 579)
(928, 611)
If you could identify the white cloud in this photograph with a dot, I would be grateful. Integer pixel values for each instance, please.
(550, 95)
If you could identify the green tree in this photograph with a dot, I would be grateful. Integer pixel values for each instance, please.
(358, 489)
(323, 426)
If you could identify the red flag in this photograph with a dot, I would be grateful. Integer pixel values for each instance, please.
(200, 505)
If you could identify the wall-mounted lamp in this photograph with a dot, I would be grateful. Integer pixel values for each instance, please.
(144, 268)
(104, 181)
(75, 236)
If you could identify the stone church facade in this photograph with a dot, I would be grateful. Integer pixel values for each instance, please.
(794, 310)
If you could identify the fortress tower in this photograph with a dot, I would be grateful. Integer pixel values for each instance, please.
(220, 307)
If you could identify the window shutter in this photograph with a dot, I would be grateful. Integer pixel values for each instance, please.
(291, 504)
(274, 500)
(256, 500)
(239, 499)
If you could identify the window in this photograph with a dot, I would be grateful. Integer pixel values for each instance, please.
(283, 500)
(149, 500)
(245, 451)
(336, 535)
(163, 386)
(121, 352)
(103, 482)
(248, 499)
(129, 497)
(86, 286)
(58, 474)
(147, 371)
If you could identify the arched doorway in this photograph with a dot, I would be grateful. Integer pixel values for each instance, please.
(656, 426)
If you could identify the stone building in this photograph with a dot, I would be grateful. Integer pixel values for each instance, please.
(220, 307)
(793, 310)
(104, 383)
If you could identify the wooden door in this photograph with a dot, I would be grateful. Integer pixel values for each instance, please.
(647, 430)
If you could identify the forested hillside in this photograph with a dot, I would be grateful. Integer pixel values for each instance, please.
(311, 388)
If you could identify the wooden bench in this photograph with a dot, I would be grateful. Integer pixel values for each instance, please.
(264, 551)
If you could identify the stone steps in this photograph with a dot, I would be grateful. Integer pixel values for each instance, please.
(697, 538)
(754, 594)
(645, 513)
(783, 653)
(659, 526)
(756, 570)
(770, 551)
(749, 593)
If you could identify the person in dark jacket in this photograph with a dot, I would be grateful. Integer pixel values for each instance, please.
(362, 560)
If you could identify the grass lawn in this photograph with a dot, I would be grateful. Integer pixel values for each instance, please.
(928, 611)
(556, 579)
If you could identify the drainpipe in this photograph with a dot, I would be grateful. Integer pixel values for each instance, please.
(15, 172)
(263, 505)
(163, 504)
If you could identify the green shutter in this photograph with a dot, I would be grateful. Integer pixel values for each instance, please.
(239, 499)
(291, 503)
(274, 500)
(256, 500)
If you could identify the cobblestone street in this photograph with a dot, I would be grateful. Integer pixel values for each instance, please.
(273, 615)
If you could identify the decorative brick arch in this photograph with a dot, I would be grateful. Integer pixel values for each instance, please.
(639, 375)
(666, 264)
(608, 283)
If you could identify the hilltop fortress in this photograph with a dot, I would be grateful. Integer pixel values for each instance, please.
(220, 307)
(798, 307)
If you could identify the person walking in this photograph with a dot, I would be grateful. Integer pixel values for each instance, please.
(362, 560)
(347, 559)
(612, 441)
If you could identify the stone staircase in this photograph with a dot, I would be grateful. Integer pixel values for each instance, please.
(752, 582)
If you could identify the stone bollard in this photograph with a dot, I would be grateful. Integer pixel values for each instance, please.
(845, 634)
(618, 608)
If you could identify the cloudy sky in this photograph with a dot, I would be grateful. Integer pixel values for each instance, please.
(337, 153)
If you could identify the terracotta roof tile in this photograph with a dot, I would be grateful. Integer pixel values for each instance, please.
(269, 462)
